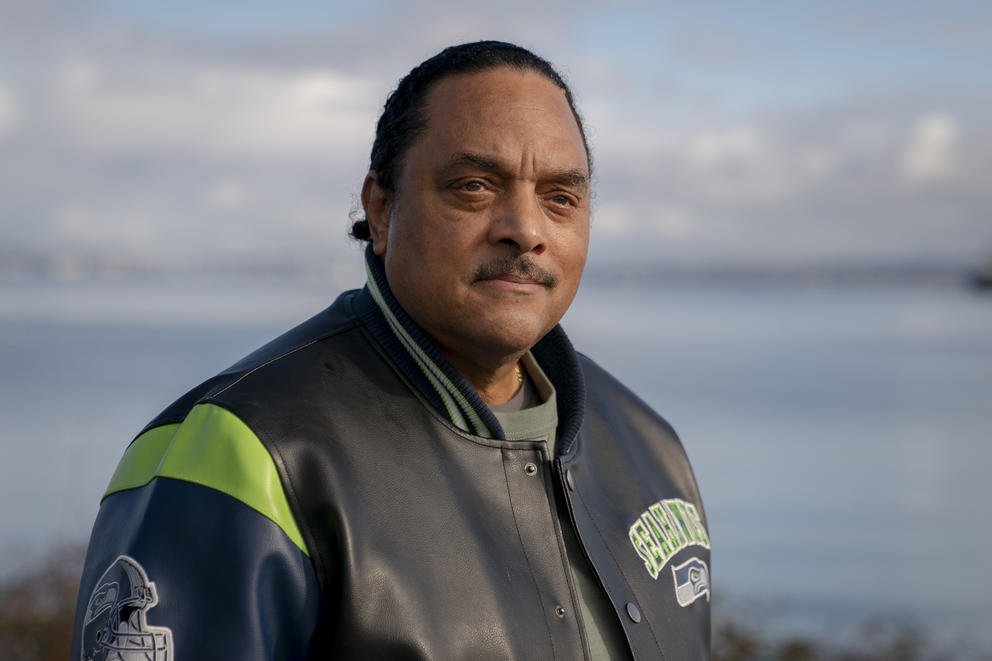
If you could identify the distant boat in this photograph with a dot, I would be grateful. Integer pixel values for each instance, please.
(982, 278)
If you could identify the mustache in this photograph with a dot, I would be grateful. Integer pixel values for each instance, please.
(521, 267)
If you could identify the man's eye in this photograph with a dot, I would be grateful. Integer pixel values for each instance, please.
(563, 200)
(473, 187)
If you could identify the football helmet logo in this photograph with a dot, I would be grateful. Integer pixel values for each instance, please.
(115, 627)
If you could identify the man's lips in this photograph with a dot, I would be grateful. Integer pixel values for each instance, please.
(515, 279)
(511, 283)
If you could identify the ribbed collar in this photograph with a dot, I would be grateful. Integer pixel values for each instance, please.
(443, 386)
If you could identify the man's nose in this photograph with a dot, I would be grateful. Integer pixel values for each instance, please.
(520, 220)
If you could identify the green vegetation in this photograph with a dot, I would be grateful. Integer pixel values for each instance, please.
(734, 642)
(37, 608)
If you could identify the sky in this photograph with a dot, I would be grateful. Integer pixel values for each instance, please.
(182, 133)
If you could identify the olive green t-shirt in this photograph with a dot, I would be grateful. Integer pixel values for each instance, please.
(532, 414)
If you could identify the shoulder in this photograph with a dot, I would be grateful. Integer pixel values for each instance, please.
(608, 397)
(213, 448)
(286, 352)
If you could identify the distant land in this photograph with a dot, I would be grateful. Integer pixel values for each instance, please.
(88, 266)
(833, 273)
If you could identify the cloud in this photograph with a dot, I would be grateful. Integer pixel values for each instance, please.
(117, 228)
(807, 184)
(736, 144)
(740, 165)
(612, 219)
(228, 195)
(929, 155)
(729, 165)
(218, 112)
(10, 110)
(672, 221)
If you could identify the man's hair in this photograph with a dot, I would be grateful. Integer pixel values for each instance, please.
(402, 120)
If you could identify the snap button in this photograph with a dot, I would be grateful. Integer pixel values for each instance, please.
(530, 468)
(634, 612)
(560, 611)
(568, 480)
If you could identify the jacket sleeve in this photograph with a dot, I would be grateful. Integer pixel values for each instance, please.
(195, 553)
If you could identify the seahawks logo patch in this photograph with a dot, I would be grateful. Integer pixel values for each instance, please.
(692, 581)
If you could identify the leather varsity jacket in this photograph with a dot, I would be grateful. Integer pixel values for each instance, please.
(342, 493)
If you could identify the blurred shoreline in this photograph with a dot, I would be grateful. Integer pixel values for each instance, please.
(73, 266)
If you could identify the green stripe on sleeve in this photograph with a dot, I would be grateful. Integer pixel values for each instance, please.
(140, 462)
(213, 448)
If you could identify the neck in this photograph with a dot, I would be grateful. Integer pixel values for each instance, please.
(495, 383)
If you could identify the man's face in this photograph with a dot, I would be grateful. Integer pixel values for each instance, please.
(485, 236)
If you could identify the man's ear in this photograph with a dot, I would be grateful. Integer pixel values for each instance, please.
(376, 201)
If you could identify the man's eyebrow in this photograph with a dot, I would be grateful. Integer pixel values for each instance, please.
(575, 178)
(471, 158)
(572, 178)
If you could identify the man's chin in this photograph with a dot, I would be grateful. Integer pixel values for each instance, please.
(507, 338)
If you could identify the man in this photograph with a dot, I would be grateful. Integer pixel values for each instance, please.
(426, 469)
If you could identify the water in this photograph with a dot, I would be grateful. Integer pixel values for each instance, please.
(840, 436)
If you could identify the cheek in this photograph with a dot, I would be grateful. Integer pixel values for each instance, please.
(424, 264)
(573, 248)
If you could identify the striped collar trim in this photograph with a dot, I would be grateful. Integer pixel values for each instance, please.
(431, 372)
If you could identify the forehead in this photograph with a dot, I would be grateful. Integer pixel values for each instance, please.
(503, 112)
